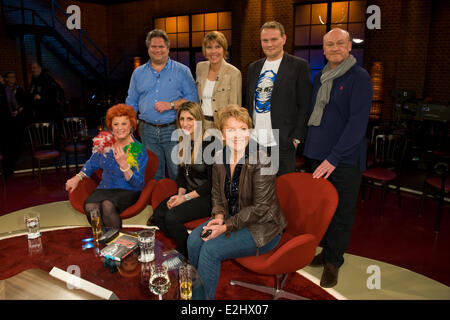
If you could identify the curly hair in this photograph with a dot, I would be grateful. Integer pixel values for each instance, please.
(121, 110)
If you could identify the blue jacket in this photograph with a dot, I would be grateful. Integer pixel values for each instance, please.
(112, 177)
(340, 138)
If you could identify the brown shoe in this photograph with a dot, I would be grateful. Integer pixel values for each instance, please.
(317, 261)
(329, 276)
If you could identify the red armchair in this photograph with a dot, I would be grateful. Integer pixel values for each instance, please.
(309, 205)
(88, 185)
(165, 188)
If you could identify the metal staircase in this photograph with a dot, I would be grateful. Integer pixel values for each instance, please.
(47, 19)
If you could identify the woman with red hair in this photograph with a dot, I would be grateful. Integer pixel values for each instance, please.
(123, 160)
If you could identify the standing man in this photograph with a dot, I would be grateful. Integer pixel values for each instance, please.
(278, 96)
(156, 90)
(336, 145)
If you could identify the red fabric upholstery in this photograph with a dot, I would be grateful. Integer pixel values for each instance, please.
(46, 154)
(381, 174)
(309, 205)
(71, 147)
(163, 189)
(436, 182)
(88, 185)
(195, 223)
(166, 188)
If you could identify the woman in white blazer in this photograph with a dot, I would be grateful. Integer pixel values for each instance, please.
(218, 82)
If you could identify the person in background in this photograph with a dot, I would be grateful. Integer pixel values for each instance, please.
(156, 90)
(218, 82)
(123, 160)
(193, 200)
(336, 144)
(16, 100)
(44, 96)
(246, 216)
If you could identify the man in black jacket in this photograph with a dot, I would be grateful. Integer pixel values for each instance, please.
(278, 97)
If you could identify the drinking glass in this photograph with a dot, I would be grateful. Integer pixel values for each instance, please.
(95, 224)
(146, 240)
(32, 224)
(159, 280)
(185, 276)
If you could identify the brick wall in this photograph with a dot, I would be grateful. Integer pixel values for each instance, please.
(437, 79)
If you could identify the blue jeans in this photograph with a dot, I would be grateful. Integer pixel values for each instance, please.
(207, 256)
(158, 140)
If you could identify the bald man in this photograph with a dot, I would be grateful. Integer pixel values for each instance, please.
(336, 145)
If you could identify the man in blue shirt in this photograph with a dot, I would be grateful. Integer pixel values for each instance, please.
(335, 143)
(156, 90)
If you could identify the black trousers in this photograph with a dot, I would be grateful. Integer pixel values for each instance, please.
(286, 158)
(171, 222)
(347, 180)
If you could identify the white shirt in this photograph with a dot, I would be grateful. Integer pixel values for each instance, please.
(262, 105)
(206, 98)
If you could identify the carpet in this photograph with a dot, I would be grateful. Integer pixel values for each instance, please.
(62, 248)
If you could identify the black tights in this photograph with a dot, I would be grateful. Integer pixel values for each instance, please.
(110, 218)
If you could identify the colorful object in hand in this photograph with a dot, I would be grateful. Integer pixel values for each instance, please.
(103, 142)
(134, 149)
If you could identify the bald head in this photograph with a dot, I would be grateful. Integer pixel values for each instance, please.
(336, 46)
(337, 32)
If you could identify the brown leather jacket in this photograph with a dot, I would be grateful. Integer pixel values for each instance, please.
(259, 209)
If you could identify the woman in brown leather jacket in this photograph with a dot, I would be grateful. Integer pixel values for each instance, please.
(193, 200)
(246, 216)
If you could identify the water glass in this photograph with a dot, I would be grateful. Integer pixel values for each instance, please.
(185, 275)
(95, 224)
(159, 282)
(32, 225)
(146, 240)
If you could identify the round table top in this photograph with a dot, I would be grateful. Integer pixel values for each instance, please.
(62, 248)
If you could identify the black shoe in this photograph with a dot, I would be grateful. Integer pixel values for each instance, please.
(329, 276)
(317, 261)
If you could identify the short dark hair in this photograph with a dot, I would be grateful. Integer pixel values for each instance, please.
(273, 25)
(157, 33)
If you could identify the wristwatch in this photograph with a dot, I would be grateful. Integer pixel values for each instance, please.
(186, 197)
(172, 105)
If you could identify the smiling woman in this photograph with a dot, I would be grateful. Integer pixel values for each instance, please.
(123, 162)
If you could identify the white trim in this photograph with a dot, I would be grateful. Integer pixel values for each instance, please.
(316, 281)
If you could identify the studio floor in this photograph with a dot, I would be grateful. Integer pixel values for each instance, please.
(412, 260)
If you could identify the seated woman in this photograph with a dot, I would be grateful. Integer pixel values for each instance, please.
(123, 160)
(193, 200)
(246, 216)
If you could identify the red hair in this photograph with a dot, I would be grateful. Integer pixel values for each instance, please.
(121, 110)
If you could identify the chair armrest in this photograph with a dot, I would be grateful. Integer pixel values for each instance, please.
(164, 189)
(81, 192)
(142, 202)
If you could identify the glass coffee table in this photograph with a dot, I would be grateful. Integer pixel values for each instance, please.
(62, 248)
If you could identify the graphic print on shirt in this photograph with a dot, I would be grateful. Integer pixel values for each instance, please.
(264, 88)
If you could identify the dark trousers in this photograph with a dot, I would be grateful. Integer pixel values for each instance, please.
(346, 179)
(171, 222)
(286, 158)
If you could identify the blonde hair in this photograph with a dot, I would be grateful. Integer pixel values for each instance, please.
(233, 111)
(196, 111)
(220, 38)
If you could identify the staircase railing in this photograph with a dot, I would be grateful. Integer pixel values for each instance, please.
(77, 40)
